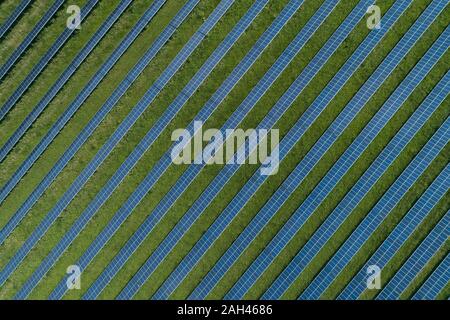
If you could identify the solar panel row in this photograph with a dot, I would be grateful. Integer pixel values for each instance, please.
(170, 112)
(79, 100)
(205, 112)
(327, 229)
(366, 182)
(4, 28)
(275, 113)
(403, 230)
(115, 138)
(51, 52)
(436, 282)
(325, 142)
(99, 116)
(301, 171)
(214, 188)
(211, 235)
(371, 222)
(435, 240)
(68, 72)
(232, 122)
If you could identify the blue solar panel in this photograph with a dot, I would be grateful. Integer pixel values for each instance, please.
(94, 122)
(397, 237)
(434, 241)
(436, 282)
(199, 206)
(79, 100)
(253, 184)
(70, 70)
(133, 158)
(256, 93)
(44, 60)
(215, 100)
(365, 183)
(221, 179)
(49, 219)
(262, 218)
(289, 230)
(13, 17)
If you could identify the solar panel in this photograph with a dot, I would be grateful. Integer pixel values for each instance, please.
(434, 241)
(364, 184)
(62, 80)
(249, 102)
(436, 282)
(257, 179)
(133, 158)
(289, 230)
(94, 122)
(51, 216)
(404, 229)
(51, 52)
(303, 168)
(4, 28)
(214, 188)
(84, 94)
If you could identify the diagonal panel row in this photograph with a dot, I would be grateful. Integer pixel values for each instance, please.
(170, 112)
(401, 233)
(436, 282)
(4, 28)
(62, 80)
(206, 111)
(51, 52)
(226, 217)
(434, 241)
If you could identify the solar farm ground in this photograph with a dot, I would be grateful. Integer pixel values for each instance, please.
(104, 49)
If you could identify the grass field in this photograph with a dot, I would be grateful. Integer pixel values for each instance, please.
(99, 55)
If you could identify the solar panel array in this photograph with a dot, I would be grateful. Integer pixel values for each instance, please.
(62, 80)
(6, 26)
(436, 282)
(220, 94)
(405, 228)
(205, 266)
(221, 179)
(187, 92)
(232, 122)
(374, 219)
(370, 177)
(51, 52)
(300, 172)
(317, 151)
(434, 241)
(93, 123)
(115, 138)
(257, 179)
